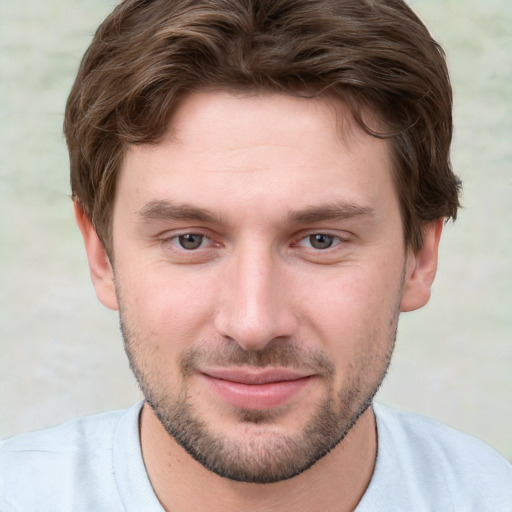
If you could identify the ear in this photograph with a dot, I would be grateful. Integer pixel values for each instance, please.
(421, 269)
(102, 274)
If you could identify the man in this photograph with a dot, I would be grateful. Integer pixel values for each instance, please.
(261, 187)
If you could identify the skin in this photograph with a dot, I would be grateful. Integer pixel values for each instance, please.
(271, 171)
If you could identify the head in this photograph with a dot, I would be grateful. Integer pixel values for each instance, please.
(268, 180)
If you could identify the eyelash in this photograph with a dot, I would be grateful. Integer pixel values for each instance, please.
(175, 241)
(335, 240)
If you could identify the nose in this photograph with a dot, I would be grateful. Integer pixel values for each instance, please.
(255, 307)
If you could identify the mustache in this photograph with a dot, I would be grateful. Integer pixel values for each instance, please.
(273, 355)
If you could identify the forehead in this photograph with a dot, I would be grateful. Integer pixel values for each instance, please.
(224, 150)
(249, 120)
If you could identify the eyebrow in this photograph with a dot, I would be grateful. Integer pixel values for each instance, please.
(170, 210)
(334, 211)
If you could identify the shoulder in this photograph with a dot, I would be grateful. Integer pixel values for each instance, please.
(437, 441)
(64, 437)
(40, 466)
(437, 464)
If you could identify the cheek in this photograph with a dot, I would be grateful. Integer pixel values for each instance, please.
(351, 311)
(355, 327)
(168, 309)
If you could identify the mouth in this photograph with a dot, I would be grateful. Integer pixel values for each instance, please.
(256, 388)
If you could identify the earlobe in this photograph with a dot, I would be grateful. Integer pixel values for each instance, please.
(421, 269)
(102, 274)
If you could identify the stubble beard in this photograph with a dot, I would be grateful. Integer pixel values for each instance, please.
(265, 455)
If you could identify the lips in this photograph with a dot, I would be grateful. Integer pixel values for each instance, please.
(255, 389)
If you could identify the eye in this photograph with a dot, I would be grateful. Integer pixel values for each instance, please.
(190, 241)
(190, 247)
(320, 241)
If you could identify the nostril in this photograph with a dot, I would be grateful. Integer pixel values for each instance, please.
(255, 331)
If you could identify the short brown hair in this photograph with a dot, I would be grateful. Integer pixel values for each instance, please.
(375, 55)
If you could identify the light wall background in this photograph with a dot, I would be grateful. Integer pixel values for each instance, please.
(61, 353)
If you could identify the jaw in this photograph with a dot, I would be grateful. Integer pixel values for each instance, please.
(340, 478)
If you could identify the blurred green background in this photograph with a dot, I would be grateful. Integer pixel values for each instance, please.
(61, 353)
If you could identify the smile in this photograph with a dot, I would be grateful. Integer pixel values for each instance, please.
(257, 389)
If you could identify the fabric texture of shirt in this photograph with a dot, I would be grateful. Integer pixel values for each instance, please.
(95, 464)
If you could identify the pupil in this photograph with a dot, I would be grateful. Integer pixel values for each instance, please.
(321, 241)
(190, 241)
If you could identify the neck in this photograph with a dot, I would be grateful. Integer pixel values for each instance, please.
(336, 482)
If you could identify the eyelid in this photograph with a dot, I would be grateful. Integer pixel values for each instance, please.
(167, 234)
(171, 237)
(177, 240)
(337, 236)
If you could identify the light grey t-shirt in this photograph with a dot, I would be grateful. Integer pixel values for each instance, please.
(95, 464)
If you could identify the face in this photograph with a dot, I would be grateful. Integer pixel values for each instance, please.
(259, 272)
